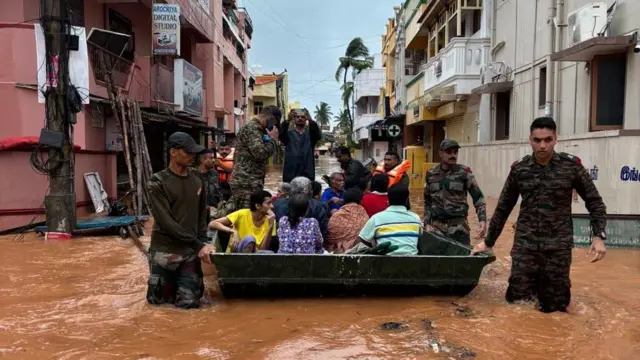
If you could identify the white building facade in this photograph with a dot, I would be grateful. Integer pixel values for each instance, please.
(577, 61)
(367, 106)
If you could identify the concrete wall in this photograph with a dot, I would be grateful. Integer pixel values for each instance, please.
(609, 151)
(522, 25)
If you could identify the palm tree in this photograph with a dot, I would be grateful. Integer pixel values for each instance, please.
(356, 57)
(343, 123)
(323, 113)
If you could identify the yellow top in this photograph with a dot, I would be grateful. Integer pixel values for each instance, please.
(243, 224)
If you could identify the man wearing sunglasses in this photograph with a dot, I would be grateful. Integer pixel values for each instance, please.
(300, 141)
(256, 141)
(445, 196)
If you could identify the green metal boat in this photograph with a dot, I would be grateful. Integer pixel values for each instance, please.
(444, 267)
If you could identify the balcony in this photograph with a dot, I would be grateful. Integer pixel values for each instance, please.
(120, 68)
(369, 82)
(457, 65)
(230, 23)
(416, 34)
(361, 125)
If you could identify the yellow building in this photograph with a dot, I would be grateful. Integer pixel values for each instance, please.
(270, 90)
(446, 48)
(389, 63)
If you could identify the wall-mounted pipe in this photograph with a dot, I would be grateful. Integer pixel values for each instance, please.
(548, 109)
(560, 25)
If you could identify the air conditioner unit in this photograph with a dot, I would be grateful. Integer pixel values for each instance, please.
(587, 22)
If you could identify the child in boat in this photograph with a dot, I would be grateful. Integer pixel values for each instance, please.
(299, 234)
(257, 222)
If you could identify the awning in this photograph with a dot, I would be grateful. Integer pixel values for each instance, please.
(152, 116)
(599, 45)
(492, 88)
(376, 124)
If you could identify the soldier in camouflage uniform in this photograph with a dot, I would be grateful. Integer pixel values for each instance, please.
(256, 142)
(541, 253)
(445, 196)
(178, 240)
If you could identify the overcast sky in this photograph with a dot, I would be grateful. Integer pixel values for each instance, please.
(307, 37)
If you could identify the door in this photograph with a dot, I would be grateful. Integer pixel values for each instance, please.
(438, 135)
(454, 128)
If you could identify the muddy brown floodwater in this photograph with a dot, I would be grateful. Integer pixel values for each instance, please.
(85, 299)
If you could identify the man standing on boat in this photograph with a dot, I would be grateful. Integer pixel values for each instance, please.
(445, 196)
(256, 142)
(355, 174)
(396, 171)
(300, 141)
(178, 201)
(541, 253)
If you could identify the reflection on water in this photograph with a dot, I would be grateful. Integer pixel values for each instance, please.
(84, 299)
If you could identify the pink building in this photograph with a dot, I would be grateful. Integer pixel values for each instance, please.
(214, 38)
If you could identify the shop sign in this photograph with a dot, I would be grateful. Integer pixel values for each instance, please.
(166, 29)
(188, 87)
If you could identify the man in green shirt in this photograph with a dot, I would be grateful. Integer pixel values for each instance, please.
(178, 202)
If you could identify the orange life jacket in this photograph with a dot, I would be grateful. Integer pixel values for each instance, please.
(395, 175)
(227, 162)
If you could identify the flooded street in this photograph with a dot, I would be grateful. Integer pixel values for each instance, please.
(85, 299)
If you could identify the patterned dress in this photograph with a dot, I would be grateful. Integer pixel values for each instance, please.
(304, 238)
(344, 227)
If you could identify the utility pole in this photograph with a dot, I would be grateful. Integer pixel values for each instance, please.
(61, 202)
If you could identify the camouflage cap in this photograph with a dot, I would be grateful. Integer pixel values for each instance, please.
(447, 144)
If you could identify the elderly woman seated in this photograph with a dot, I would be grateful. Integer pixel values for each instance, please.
(303, 186)
(346, 223)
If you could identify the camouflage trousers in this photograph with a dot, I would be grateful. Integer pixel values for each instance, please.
(542, 276)
(456, 228)
(175, 279)
(242, 192)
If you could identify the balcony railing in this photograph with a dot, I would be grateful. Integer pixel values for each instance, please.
(120, 67)
(461, 60)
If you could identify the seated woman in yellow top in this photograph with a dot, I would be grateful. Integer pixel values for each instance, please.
(249, 225)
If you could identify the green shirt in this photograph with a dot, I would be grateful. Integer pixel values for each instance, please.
(178, 204)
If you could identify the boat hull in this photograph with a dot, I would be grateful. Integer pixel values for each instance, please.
(447, 270)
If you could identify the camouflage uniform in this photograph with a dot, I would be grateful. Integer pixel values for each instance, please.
(175, 279)
(250, 162)
(541, 253)
(445, 201)
(211, 182)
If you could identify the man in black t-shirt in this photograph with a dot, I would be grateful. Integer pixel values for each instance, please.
(178, 202)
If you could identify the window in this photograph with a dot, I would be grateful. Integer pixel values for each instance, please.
(542, 87)
(377, 153)
(244, 88)
(219, 53)
(121, 24)
(608, 81)
(503, 115)
(257, 107)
